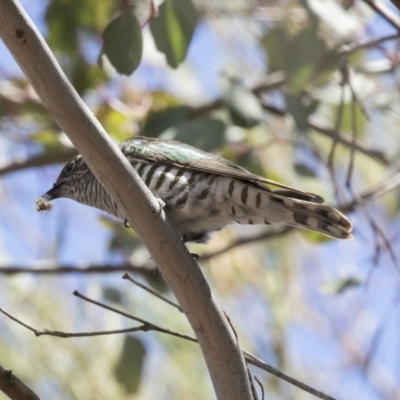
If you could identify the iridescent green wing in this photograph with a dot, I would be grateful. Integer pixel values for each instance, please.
(181, 155)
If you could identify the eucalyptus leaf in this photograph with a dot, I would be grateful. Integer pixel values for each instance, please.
(123, 43)
(129, 368)
(173, 29)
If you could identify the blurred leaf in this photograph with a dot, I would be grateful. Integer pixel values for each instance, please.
(124, 239)
(129, 368)
(66, 19)
(303, 56)
(304, 170)
(49, 139)
(62, 23)
(276, 44)
(118, 125)
(123, 42)
(331, 11)
(204, 133)
(85, 76)
(159, 121)
(341, 285)
(244, 106)
(306, 50)
(173, 29)
(347, 118)
(300, 108)
(112, 294)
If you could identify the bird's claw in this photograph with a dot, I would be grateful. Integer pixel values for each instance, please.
(161, 203)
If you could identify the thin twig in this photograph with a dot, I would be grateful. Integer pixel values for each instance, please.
(261, 387)
(354, 141)
(338, 123)
(385, 12)
(368, 43)
(68, 269)
(148, 326)
(266, 367)
(151, 291)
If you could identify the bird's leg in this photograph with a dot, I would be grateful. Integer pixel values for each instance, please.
(161, 203)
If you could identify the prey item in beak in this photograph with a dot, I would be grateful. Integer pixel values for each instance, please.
(42, 203)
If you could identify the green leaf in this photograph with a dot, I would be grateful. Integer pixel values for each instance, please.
(243, 105)
(173, 29)
(62, 22)
(112, 294)
(129, 368)
(340, 286)
(304, 170)
(276, 44)
(300, 107)
(204, 133)
(66, 19)
(349, 113)
(158, 122)
(305, 52)
(123, 43)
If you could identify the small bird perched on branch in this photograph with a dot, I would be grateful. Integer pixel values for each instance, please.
(201, 193)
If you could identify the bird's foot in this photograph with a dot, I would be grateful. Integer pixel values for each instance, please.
(156, 272)
(161, 203)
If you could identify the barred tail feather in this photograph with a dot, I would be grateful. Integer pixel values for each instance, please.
(267, 207)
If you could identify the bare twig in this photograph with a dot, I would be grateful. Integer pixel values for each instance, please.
(149, 326)
(14, 388)
(151, 291)
(345, 139)
(55, 269)
(338, 123)
(38, 161)
(261, 387)
(354, 141)
(385, 12)
(368, 43)
(261, 364)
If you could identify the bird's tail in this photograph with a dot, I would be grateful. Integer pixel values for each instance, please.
(268, 207)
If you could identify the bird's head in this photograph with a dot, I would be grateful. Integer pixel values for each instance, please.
(69, 182)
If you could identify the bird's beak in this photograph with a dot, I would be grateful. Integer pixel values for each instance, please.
(53, 193)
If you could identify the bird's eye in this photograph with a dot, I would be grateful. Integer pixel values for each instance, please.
(69, 168)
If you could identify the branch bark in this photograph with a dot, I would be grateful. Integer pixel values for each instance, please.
(218, 343)
(14, 388)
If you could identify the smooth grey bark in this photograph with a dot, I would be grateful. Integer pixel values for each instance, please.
(219, 346)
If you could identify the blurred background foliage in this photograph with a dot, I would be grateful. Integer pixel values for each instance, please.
(298, 91)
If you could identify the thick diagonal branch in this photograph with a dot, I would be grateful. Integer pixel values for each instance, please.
(219, 346)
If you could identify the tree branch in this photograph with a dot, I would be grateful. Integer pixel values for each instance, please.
(38, 161)
(149, 326)
(114, 172)
(14, 388)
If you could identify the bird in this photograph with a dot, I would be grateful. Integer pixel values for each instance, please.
(201, 192)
